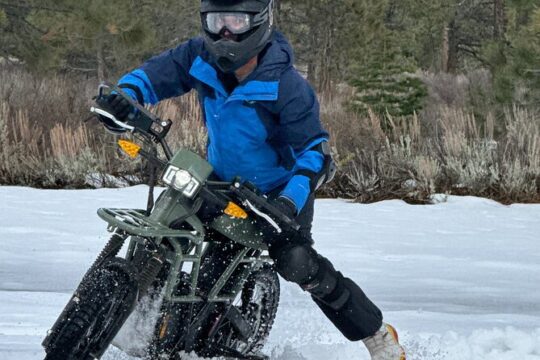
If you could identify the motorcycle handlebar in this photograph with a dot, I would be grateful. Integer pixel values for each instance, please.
(251, 198)
(149, 125)
(140, 120)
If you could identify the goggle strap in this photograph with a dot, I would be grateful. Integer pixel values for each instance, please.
(263, 15)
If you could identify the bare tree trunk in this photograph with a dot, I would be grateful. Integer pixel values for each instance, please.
(311, 72)
(100, 57)
(499, 19)
(452, 54)
(277, 13)
(450, 48)
(312, 60)
(326, 61)
(445, 49)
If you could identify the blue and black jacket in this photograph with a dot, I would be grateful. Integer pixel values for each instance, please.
(267, 130)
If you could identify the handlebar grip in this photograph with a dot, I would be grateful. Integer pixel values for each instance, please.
(262, 204)
(141, 120)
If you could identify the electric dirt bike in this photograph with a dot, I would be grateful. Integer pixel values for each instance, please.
(219, 293)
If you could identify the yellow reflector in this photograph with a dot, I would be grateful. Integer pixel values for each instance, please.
(164, 326)
(129, 148)
(235, 211)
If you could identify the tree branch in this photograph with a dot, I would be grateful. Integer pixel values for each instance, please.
(34, 7)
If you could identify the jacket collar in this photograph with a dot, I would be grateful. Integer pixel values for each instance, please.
(262, 83)
(204, 72)
(250, 90)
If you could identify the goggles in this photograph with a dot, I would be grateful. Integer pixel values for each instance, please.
(235, 22)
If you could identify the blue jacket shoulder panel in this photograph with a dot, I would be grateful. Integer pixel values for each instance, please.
(293, 119)
(298, 130)
(298, 110)
(168, 72)
(139, 80)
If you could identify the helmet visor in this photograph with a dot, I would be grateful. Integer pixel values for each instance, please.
(235, 22)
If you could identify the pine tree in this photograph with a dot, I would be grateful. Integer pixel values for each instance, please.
(70, 35)
(383, 72)
(96, 35)
(514, 60)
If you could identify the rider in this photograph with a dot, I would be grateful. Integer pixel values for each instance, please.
(263, 125)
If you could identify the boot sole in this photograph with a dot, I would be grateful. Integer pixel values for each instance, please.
(394, 334)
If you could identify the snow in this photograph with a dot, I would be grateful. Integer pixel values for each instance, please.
(458, 279)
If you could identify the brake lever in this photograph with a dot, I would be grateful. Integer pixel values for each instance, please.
(99, 111)
(148, 123)
(260, 205)
(265, 216)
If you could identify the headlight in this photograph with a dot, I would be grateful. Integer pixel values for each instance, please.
(181, 180)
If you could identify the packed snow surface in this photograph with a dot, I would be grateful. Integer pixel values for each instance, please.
(459, 279)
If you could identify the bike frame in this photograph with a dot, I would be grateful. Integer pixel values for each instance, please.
(169, 231)
(188, 245)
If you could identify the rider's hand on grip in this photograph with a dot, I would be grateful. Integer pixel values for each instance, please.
(116, 105)
(283, 214)
(285, 205)
(279, 213)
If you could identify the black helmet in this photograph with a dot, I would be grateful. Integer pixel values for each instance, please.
(250, 22)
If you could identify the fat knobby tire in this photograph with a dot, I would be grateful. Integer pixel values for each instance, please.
(105, 300)
(267, 276)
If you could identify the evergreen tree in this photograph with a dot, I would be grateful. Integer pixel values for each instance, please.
(19, 38)
(320, 32)
(174, 21)
(383, 70)
(515, 62)
(95, 35)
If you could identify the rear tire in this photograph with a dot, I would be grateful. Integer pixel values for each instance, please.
(97, 312)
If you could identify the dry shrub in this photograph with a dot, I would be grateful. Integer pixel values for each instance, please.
(45, 143)
(188, 130)
(456, 154)
(519, 157)
(448, 148)
(47, 100)
(447, 89)
(32, 156)
(472, 92)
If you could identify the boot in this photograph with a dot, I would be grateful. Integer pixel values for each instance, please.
(384, 344)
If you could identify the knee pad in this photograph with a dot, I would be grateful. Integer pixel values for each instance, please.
(328, 286)
(302, 265)
(297, 263)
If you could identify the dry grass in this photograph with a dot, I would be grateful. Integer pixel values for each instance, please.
(448, 148)
(455, 154)
(188, 130)
(45, 143)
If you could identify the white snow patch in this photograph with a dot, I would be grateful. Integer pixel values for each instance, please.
(137, 333)
(459, 279)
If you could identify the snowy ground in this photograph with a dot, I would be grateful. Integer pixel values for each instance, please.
(460, 280)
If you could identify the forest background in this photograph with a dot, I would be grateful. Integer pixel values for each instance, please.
(420, 97)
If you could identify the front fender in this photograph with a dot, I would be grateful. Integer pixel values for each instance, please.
(245, 232)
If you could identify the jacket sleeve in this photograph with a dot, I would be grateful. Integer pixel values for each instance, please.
(301, 131)
(163, 76)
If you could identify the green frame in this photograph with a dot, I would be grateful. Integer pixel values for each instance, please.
(188, 245)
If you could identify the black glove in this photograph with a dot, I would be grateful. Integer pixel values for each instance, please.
(270, 233)
(285, 205)
(116, 105)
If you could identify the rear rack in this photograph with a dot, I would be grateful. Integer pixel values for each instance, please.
(135, 222)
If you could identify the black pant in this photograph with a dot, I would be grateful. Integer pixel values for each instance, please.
(340, 298)
(354, 315)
